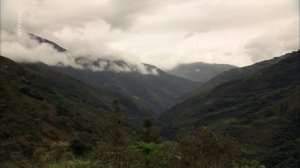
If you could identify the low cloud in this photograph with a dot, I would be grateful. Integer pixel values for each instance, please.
(162, 33)
(26, 49)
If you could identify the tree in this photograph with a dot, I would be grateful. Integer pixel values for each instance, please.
(149, 134)
(206, 149)
(117, 138)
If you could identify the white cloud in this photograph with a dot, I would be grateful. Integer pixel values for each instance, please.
(163, 33)
(274, 42)
(24, 49)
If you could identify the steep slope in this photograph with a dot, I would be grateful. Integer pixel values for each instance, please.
(40, 106)
(157, 90)
(234, 74)
(261, 109)
(199, 71)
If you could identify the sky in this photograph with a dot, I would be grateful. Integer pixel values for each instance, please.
(163, 33)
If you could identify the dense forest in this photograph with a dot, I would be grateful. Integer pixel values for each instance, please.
(121, 149)
(49, 119)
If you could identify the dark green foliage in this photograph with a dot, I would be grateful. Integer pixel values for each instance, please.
(117, 136)
(51, 120)
(249, 164)
(150, 135)
(201, 149)
(116, 125)
(207, 149)
(286, 144)
(253, 104)
(157, 92)
(152, 155)
(78, 147)
(39, 106)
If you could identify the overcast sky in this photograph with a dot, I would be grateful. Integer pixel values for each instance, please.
(159, 32)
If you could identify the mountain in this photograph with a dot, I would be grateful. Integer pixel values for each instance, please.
(235, 74)
(42, 40)
(157, 89)
(258, 104)
(199, 71)
(41, 106)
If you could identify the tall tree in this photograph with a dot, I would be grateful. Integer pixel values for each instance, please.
(117, 136)
(149, 134)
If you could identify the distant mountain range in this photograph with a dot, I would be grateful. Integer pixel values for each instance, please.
(258, 104)
(157, 89)
(199, 71)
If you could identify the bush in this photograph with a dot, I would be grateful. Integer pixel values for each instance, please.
(78, 147)
(206, 149)
(152, 155)
(249, 164)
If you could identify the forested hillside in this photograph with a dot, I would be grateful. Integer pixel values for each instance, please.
(52, 120)
(260, 108)
(39, 106)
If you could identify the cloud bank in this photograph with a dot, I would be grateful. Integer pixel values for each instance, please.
(163, 33)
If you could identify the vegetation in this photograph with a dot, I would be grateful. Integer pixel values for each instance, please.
(208, 149)
(201, 149)
(142, 87)
(50, 120)
(121, 150)
(258, 107)
(39, 107)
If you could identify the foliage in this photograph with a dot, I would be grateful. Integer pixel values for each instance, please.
(207, 149)
(249, 164)
(152, 155)
(253, 104)
(39, 107)
(157, 92)
(51, 120)
(78, 147)
(150, 135)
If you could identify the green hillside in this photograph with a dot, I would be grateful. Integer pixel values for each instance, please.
(234, 74)
(260, 107)
(158, 92)
(44, 112)
(39, 106)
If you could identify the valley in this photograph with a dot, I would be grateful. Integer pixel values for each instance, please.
(258, 105)
(149, 84)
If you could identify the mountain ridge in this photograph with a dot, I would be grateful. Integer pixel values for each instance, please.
(157, 89)
(261, 109)
(144, 87)
(37, 93)
(200, 71)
